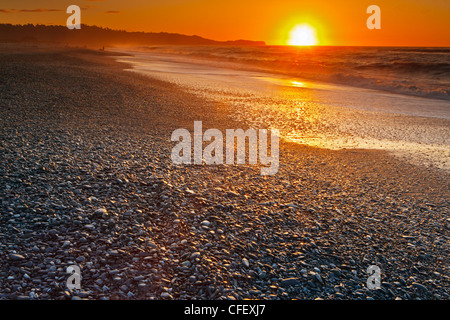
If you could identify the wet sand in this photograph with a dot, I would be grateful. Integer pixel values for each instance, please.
(87, 179)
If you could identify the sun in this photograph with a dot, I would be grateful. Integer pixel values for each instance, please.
(303, 35)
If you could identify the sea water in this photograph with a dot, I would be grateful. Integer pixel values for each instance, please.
(393, 99)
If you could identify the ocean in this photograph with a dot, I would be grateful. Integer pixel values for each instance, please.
(414, 71)
(388, 98)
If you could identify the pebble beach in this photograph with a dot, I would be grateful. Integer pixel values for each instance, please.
(87, 180)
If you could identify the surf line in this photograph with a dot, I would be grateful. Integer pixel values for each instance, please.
(235, 144)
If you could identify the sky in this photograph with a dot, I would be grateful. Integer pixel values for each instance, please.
(343, 22)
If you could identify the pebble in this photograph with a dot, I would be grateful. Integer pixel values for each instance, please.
(289, 282)
(100, 213)
(419, 286)
(318, 278)
(66, 244)
(16, 257)
(206, 223)
(195, 255)
(124, 288)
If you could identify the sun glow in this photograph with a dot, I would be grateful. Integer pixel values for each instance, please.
(303, 35)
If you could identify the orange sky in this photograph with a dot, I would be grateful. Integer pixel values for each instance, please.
(343, 22)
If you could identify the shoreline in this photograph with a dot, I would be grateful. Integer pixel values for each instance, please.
(173, 53)
(328, 116)
(79, 135)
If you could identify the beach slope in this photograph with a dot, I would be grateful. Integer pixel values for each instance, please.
(87, 179)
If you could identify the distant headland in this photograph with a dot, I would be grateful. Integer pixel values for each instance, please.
(93, 36)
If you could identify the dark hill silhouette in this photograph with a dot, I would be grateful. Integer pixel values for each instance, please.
(93, 36)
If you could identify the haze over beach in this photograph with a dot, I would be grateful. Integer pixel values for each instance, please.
(92, 120)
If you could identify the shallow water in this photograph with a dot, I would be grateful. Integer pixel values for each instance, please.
(414, 71)
(312, 112)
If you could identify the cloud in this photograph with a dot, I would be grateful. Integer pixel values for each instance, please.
(29, 10)
(40, 10)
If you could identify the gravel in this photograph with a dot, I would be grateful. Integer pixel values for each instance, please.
(87, 180)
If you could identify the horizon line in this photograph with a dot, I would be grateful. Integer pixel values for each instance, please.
(236, 40)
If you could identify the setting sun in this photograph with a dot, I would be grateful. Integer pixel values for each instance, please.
(303, 35)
